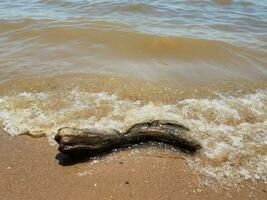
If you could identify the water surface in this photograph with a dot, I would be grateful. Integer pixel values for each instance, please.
(110, 64)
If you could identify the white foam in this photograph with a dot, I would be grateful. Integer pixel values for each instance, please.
(232, 130)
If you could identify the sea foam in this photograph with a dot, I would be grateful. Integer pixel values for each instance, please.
(232, 130)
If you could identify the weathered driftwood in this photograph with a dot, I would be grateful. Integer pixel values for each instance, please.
(93, 142)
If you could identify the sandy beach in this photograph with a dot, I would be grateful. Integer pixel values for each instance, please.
(30, 169)
(110, 65)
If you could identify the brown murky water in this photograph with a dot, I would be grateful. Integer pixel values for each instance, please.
(112, 64)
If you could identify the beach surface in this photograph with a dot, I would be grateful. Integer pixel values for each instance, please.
(112, 64)
(30, 169)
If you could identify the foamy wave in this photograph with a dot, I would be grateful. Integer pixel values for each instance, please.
(232, 130)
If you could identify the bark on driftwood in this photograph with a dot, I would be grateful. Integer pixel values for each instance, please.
(93, 142)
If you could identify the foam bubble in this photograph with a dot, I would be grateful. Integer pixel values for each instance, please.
(232, 130)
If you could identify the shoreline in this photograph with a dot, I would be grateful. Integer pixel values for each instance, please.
(30, 169)
(113, 65)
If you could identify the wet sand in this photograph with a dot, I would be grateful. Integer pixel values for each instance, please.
(30, 169)
(114, 64)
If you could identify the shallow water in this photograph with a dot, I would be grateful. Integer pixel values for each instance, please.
(112, 64)
(194, 41)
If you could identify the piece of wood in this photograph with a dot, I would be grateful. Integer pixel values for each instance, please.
(93, 142)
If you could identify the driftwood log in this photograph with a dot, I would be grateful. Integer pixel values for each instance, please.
(93, 142)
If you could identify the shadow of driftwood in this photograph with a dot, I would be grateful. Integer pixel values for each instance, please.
(68, 160)
(72, 159)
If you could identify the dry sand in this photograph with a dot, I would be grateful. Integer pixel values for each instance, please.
(30, 169)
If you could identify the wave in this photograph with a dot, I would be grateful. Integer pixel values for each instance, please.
(119, 37)
(103, 46)
(232, 130)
